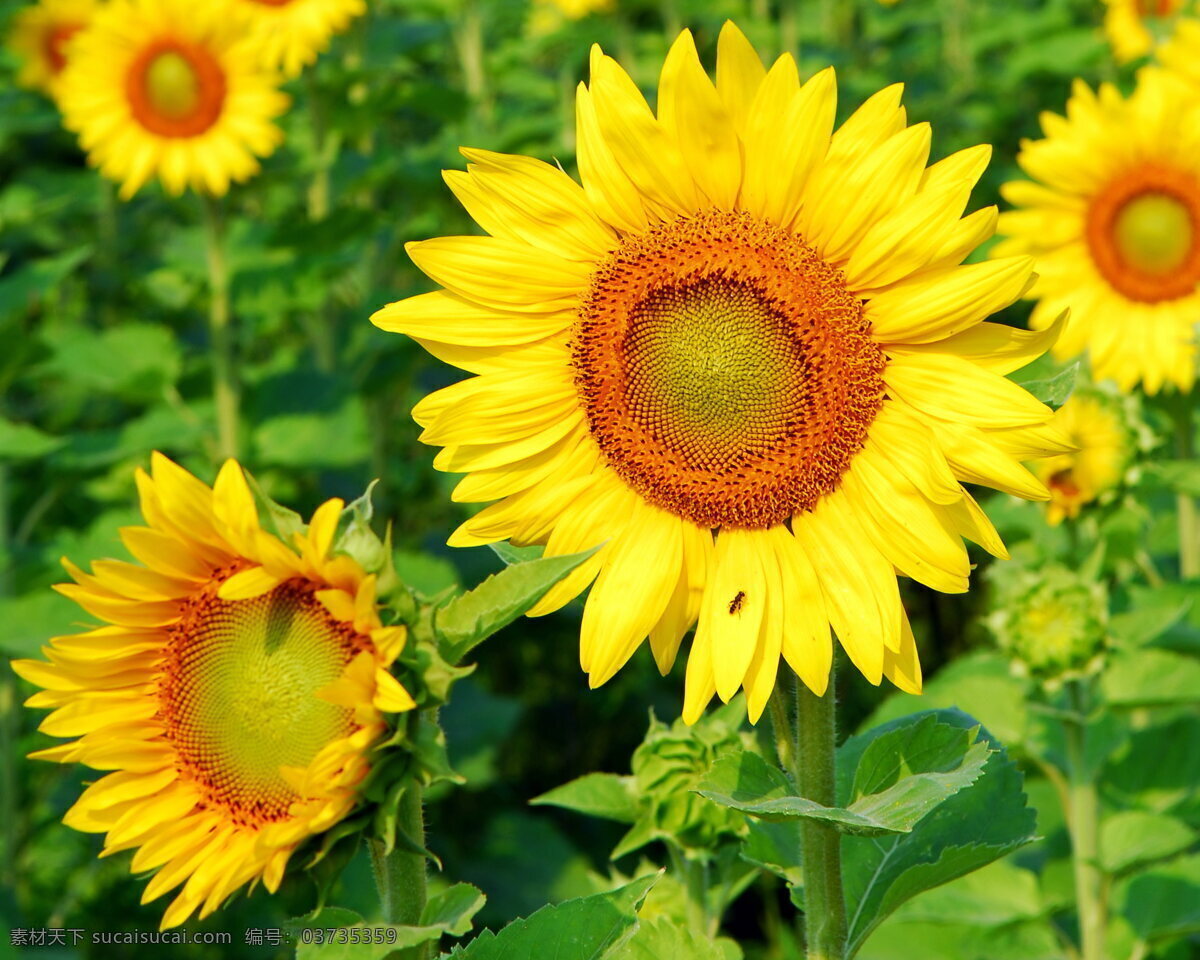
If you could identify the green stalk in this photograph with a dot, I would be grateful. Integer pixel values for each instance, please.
(813, 767)
(468, 38)
(318, 189)
(1083, 818)
(1189, 523)
(224, 365)
(9, 709)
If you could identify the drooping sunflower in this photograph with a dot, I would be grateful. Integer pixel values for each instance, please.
(1135, 27)
(742, 358)
(1095, 424)
(40, 37)
(234, 692)
(173, 89)
(291, 33)
(1114, 221)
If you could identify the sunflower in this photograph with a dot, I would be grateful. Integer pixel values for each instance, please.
(40, 37)
(1094, 424)
(1181, 53)
(291, 33)
(1115, 225)
(1134, 27)
(234, 692)
(171, 88)
(742, 358)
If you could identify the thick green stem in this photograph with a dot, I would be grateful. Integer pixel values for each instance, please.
(1083, 818)
(1189, 522)
(810, 744)
(224, 364)
(400, 875)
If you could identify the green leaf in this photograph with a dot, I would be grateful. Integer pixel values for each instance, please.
(453, 909)
(1163, 902)
(20, 289)
(1157, 769)
(1149, 677)
(23, 441)
(474, 616)
(1148, 619)
(136, 361)
(967, 831)
(587, 928)
(32, 619)
(510, 554)
(1131, 838)
(339, 438)
(275, 517)
(899, 779)
(1024, 940)
(1056, 389)
(1179, 476)
(424, 572)
(665, 939)
(995, 895)
(596, 794)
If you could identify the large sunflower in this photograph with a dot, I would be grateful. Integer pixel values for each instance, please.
(235, 691)
(743, 358)
(1134, 27)
(174, 89)
(1115, 225)
(1094, 423)
(291, 33)
(40, 37)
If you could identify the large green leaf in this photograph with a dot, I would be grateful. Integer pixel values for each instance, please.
(470, 618)
(898, 780)
(604, 795)
(1151, 677)
(1181, 476)
(587, 928)
(665, 939)
(1134, 837)
(136, 361)
(23, 441)
(965, 832)
(1163, 902)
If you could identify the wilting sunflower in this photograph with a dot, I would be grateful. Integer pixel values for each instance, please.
(291, 33)
(1115, 225)
(40, 37)
(1135, 27)
(174, 89)
(742, 358)
(235, 691)
(1095, 424)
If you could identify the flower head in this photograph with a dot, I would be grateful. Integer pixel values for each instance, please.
(41, 37)
(171, 89)
(1134, 27)
(1113, 216)
(743, 358)
(291, 33)
(234, 692)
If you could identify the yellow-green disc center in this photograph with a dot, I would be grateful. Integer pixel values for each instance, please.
(1154, 233)
(710, 365)
(241, 694)
(172, 85)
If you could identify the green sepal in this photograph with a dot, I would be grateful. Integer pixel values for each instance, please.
(1056, 389)
(356, 539)
(274, 517)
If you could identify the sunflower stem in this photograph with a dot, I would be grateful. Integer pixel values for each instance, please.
(809, 742)
(1083, 819)
(469, 41)
(318, 189)
(1189, 522)
(224, 366)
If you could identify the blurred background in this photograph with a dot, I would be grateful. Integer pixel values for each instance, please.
(104, 357)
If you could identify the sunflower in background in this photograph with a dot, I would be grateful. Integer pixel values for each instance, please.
(1113, 218)
(291, 33)
(1135, 27)
(1181, 53)
(1097, 425)
(235, 693)
(546, 16)
(172, 89)
(743, 358)
(40, 36)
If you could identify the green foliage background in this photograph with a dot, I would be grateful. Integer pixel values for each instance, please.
(104, 357)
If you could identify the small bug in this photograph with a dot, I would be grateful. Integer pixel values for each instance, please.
(736, 603)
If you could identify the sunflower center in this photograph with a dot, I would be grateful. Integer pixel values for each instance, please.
(238, 695)
(55, 45)
(727, 373)
(176, 89)
(1142, 233)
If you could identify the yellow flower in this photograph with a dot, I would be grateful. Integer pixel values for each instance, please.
(173, 89)
(291, 33)
(546, 16)
(1133, 26)
(1094, 425)
(742, 358)
(41, 36)
(1114, 222)
(1181, 53)
(234, 693)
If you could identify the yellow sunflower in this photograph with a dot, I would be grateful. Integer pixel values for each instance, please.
(743, 358)
(1094, 424)
(234, 693)
(1134, 27)
(1181, 53)
(40, 38)
(1114, 221)
(291, 33)
(173, 89)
